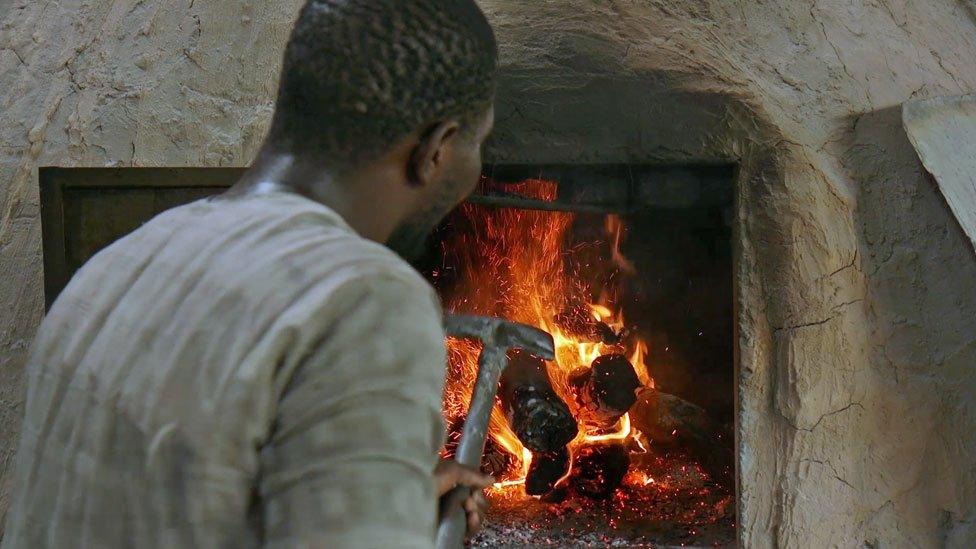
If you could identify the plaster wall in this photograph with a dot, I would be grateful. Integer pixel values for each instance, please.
(856, 289)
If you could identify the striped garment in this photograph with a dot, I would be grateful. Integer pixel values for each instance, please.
(239, 372)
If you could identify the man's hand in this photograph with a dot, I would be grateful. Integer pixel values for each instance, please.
(449, 474)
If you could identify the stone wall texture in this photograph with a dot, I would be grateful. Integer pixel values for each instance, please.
(856, 288)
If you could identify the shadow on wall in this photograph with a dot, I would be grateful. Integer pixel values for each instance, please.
(921, 298)
(552, 118)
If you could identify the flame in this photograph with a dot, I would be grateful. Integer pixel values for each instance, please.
(615, 227)
(637, 436)
(601, 313)
(507, 483)
(640, 367)
(622, 432)
(516, 263)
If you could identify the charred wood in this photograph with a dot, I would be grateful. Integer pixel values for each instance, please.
(670, 421)
(599, 470)
(536, 414)
(605, 391)
(545, 470)
(557, 495)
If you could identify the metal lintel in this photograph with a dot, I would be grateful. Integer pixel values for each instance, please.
(517, 201)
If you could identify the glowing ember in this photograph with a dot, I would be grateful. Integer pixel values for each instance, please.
(515, 263)
(659, 504)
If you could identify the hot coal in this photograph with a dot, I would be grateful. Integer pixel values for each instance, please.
(545, 470)
(669, 420)
(605, 391)
(598, 470)
(556, 495)
(538, 417)
(677, 508)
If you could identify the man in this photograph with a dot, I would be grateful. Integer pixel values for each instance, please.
(258, 369)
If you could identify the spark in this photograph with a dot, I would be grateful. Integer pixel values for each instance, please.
(514, 265)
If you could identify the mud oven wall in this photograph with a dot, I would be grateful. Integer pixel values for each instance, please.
(850, 397)
(558, 117)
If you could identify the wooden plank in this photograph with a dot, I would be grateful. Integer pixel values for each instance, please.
(56, 273)
(85, 209)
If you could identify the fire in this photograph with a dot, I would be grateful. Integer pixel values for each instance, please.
(622, 432)
(517, 264)
(615, 226)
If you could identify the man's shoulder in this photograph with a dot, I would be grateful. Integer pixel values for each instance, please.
(299, 231)
(375, 271)
(270, 250)
(377, 262)
(317, 249)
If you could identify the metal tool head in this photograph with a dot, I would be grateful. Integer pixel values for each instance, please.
(498, 332)
(497, 336)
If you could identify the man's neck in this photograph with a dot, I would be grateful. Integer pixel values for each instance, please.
(371, 214)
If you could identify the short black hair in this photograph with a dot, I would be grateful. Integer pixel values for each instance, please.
(360, 74)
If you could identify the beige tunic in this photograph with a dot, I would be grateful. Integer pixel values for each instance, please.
(236, 373)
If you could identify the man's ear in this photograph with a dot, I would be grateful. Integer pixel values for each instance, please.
(429, 156)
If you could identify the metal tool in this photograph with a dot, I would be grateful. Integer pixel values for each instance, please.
(497, 337)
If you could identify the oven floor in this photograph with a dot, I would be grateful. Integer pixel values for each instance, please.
(677, 509)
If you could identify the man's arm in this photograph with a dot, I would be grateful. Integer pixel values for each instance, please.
(359, 425)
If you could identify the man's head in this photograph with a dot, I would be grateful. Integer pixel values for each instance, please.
(378, 81)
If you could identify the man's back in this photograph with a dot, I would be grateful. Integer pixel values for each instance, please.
(228, 376)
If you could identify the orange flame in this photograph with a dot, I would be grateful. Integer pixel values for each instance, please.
(622, 432)
(515, 264)
(615, 228)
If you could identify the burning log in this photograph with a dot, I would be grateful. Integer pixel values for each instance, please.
(599, 470)
(539, 418)
(580, 325)
(545, 470)
(672, 421)
(606, 391)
